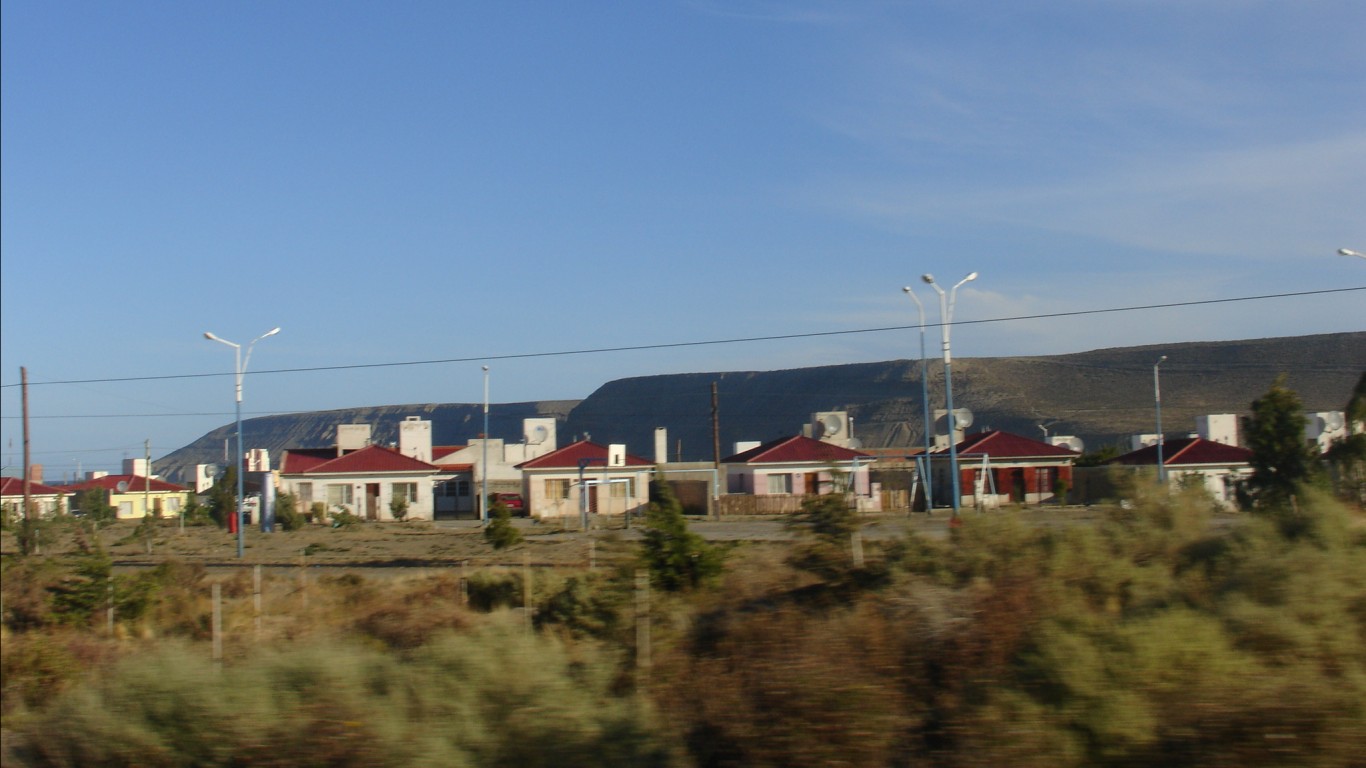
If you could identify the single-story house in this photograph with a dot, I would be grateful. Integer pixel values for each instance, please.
(133, 496)
(45, 500)
(569, 481)
(1218, 468)
(996, 467)
(363, 482)
(798, 466)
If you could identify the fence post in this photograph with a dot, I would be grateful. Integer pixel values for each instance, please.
(303, 579)
(256, 597)
(464, 582)
(856, 547)
(217, 623)
(526, 587)
(109, 605)
(642, 628)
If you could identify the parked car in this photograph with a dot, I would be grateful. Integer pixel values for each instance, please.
(513, 501)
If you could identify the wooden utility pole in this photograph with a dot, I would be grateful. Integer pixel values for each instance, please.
(715, 428)
(28, 537)
(716, 443)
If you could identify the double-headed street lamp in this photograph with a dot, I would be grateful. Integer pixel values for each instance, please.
(946, 300)
(241, 368)
(925, 401)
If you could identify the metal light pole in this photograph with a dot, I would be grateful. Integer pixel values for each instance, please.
(484, 463)
(241, 368)
(946, 301)
(1157, 401)
(924, 400)
(1350, 252)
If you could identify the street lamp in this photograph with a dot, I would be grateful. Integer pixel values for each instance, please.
(946, 301)
(1350, 252)
(241, 368)
(484, 463)
(1157, 400)
(924, 400)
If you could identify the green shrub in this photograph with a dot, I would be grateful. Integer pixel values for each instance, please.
(584, 606)
(500, 532)
(497, 697)
(342, 518)
(676, 558)
(287, 514)
(489, 590)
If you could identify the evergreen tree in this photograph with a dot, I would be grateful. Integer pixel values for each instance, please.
(1347, 457)
(1281, 459)
(500, 531)
(677, 558)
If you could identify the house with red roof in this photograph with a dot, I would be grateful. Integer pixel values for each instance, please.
(586, 478)
(134, 496)
(997, 467)
(364, 482)
(799, 466)
(1218, 468)
(44, 500)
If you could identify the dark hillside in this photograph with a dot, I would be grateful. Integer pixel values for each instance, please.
(1101, 396)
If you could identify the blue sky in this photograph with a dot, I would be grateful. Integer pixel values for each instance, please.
(412, 181)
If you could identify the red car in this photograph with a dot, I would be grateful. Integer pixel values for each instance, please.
(513, 501)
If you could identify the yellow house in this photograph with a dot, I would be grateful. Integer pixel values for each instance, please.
(132, 496)
(44, 500)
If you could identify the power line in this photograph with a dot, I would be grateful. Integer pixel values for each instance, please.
(710, 342)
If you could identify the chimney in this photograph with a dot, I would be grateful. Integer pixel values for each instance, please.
(661, 445)
(35, 473)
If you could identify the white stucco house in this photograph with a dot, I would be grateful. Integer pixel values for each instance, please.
(802, 466)
(363, 481)
(586, 477)
(1219, 469)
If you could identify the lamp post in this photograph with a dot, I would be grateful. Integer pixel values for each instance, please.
(1350, 252)
(241, 368)
(1157, 401)
(484, 462)
(924, 400)
(946, 301)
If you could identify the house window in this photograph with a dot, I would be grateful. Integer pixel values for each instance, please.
(339, 494)
(621, 488)
(556, 489)
(462, 488)
(780, 483)
(173, 504)
(305, 491)
(406, 491)
(125, 509)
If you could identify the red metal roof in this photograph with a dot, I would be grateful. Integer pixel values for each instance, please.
(788, 450)
(442, 451)
(297, 461)
(1007, 445)
(1187, 451)
(569, 457)
(136, 484)
(367, 460)
(14, 486)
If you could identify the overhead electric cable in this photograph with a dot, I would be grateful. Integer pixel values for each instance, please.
(680, 344)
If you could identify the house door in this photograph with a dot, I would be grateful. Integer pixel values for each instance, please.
(372, 501)
(813, 483)
(1017, 485)
(593, 499)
